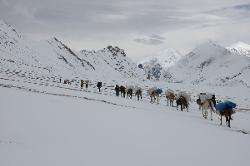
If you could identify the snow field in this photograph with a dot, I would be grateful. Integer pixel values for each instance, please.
(54, 130)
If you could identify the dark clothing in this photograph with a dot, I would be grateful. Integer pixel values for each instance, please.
(99, 85)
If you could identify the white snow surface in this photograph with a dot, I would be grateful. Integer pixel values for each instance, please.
(240, 48)
(56, 126)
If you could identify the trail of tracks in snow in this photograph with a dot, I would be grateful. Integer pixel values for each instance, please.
(60, 94)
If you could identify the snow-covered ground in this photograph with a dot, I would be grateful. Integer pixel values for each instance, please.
(50, 125)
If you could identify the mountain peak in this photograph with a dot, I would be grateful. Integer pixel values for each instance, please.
(165, 58)
(240, 44)
(8, 29)
(115, 50)
(208, 49)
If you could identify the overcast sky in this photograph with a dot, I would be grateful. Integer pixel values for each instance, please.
(141, 27)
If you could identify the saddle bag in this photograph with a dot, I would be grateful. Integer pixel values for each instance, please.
(225, 105)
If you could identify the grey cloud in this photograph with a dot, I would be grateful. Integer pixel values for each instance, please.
(154, 36)
(104, 21)
(243, 7)
(151, 40)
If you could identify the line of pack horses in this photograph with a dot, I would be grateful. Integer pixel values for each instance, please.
(205, 101)
(182, 98)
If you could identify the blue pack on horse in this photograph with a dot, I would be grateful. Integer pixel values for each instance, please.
(224, 106)
(226, 109)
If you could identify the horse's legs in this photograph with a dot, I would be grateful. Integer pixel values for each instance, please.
(211, 114)
(203, 112)
(206, 112)
(229, 119)
(228, 123)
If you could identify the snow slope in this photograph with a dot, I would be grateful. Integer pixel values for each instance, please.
(113, 63)
(212, 64)
(240, 48)
(56, 126)
(13, 47)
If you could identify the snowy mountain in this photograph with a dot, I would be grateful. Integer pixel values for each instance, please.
(212, 64)
(155, 65)
(240, 48)
(13, 46)
(165, 58)
(54, 58)
(113, 62)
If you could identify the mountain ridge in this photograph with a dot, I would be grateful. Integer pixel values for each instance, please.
(65, 62)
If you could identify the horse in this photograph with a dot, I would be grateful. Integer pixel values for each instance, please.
(205, 106)
(228, 115)
(206, 102)
(82, 83)
(183, 102)
(138, 93)
(170, 97)
(198, 101)
(87, 84)
(123, 91)
(67, 82)
(154, 95)
(129, 93)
